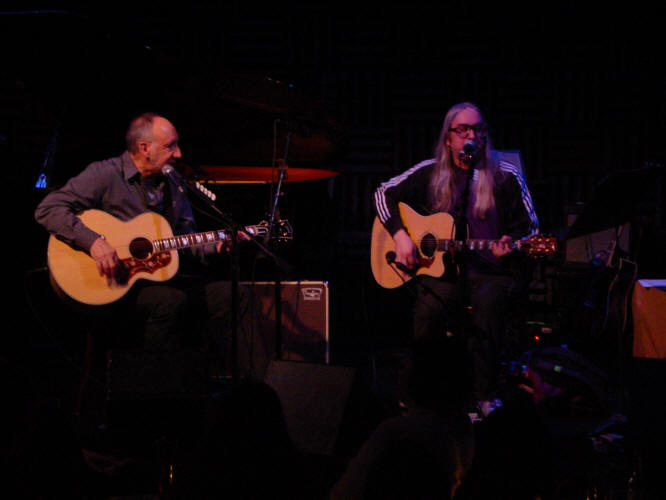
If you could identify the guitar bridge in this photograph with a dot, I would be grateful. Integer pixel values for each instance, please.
(150, 265)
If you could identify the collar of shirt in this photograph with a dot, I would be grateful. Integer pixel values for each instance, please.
(129, 168)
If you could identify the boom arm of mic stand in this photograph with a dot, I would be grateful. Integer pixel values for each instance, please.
(234, 228)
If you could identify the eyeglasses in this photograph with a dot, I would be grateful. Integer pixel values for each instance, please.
(463, 130)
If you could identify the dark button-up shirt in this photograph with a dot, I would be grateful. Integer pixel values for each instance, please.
(114, 186)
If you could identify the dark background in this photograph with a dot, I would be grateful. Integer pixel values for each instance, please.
(578, 90)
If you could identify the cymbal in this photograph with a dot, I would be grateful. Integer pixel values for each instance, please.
(247, 120)
(261, 175)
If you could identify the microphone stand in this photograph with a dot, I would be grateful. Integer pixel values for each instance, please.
(282, 175)
(469, 159)
(234, 228)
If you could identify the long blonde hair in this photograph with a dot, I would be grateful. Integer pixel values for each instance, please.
(442, 185)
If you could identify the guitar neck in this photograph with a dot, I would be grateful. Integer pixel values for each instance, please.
(199, 239)
(472, 244)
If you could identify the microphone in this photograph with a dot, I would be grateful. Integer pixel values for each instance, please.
(469, 153)
(178, 180)
(175, 177)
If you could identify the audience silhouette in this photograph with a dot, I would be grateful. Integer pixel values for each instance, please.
(426, 451)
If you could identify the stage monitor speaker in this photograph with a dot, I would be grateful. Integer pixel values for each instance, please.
(315, 400)
(305, 318)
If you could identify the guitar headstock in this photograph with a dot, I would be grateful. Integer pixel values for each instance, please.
(539, 245)
(282, 230)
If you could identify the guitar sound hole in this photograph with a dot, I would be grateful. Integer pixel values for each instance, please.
(428, 245)
(141, 248)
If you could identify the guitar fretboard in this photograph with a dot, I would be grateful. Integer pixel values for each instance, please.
(196, 239)
(474, 244)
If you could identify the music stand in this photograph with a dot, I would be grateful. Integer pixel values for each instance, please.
(614, 200)
(613, 204)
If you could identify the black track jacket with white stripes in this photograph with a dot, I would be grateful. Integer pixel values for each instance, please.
(515, 211)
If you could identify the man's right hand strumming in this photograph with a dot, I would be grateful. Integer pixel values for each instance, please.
(105, 257)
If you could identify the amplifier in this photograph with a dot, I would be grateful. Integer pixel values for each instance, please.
(305, 318)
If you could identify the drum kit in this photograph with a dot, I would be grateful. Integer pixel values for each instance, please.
(270, 134)
(254, 133)
(265, 116)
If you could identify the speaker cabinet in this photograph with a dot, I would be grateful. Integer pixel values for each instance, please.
(304, 318)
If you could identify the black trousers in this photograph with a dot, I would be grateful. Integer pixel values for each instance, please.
(176, 315)
(174, 337)
(443, 308)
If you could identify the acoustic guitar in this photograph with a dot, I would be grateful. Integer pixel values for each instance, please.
(146, 247)
(433, 236)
